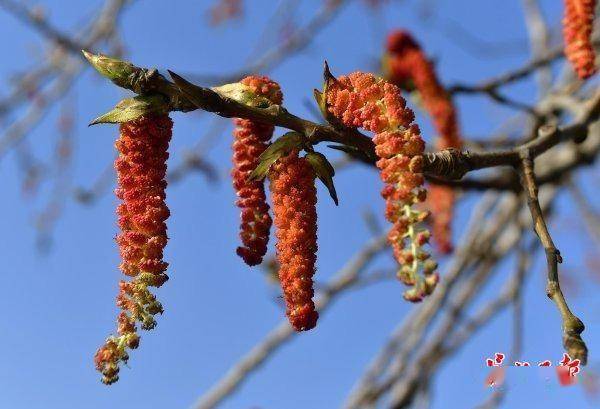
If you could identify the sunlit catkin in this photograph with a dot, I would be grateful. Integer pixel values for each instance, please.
(578, 23)
(363, 100)
(251, 138)
(141, 168)
(294, 197)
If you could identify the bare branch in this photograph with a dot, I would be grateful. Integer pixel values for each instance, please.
(511, 76)
(515, 292)
(33, 18)
(590, 215)
(294, 43)
(572, 326)
(450, 164)
(102, 27)
(36, 112)
(539, 39)
(478, 242)
(347, 277)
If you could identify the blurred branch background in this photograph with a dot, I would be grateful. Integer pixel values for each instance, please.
(221, 343)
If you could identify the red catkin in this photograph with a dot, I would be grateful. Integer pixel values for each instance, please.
(251, 138)
(141, 169)
(294, 198)
(363, 100)
(578, 24)
(225, 10)
(407, 66)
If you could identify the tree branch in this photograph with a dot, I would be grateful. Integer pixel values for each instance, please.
(347, 277)
(513, 75)
(450, 164)
(294, 43)
(572, 326)
(40, 23)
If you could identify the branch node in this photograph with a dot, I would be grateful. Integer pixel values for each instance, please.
(451, 163)
(571, 325)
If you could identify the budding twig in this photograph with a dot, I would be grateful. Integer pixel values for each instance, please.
(572, 326)
(448, 164)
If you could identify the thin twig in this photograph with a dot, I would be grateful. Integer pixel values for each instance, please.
(102, 27)
(450, 164)
(347, 277)
(430, 354)
(479, 238)
(294, 43)
(590, 215)
(572, 326)
(513, 75)
(40, 23)
(539, 39)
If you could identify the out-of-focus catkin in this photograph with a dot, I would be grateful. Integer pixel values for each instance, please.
(141, 168)
(578, 24)
(251, 138)
(406, 65)
(294, 198)
(224, 10)
(363, 100)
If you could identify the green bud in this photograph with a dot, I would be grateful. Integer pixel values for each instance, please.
(119, 72)
(281, 147)
(130, 109)
(242, 94)
(324, 171)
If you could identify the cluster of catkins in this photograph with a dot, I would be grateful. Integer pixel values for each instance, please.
(294, 198)
(406, 65)
(578, 24)
(358, 100)
(141, 168)
(365, 101)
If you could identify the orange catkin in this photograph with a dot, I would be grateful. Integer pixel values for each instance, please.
(407, 66)
(225, 10)
(294, 197)
(141, 168)
(363, 100)
(251, 138)
(578, 24)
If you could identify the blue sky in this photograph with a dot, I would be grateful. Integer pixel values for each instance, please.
(59, 306)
